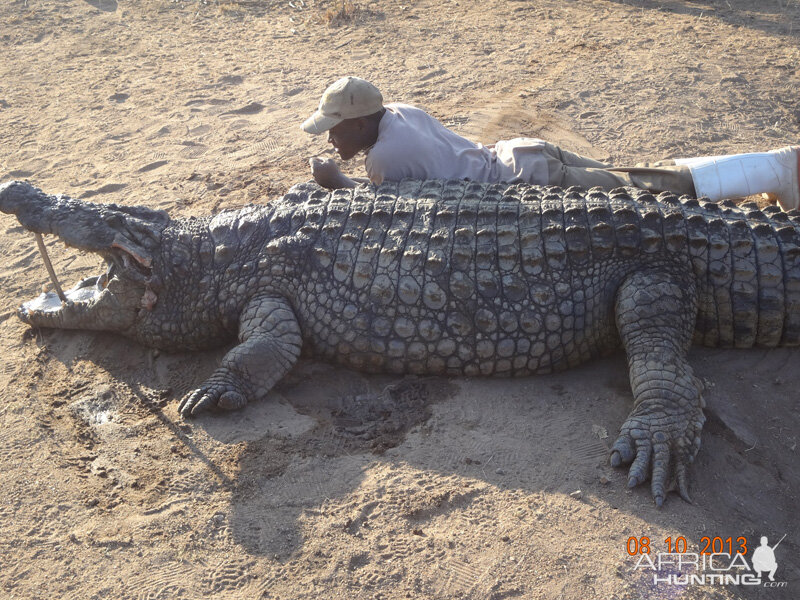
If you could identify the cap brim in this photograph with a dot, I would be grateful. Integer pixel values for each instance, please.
(319, 123)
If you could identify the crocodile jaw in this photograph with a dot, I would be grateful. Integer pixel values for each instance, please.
(105, 302)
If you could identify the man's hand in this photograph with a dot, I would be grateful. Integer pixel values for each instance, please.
(326, 173)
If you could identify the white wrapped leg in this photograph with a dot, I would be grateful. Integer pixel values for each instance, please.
(737, 175)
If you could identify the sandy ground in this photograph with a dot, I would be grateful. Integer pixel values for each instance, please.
(333, 487)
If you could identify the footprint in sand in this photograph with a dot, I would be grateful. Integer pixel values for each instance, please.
(174, 580)
(205, 100)
(18, 174)
(229, 80)
(267, 149)
(227, 575)
(26, 165)
(104, 5)
(239, 124)
(200, 130)
(109, 188)
(193, 150)
(152, 166)
(165, 130)
(250, 109)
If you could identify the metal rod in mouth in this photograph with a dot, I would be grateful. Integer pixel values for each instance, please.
(49, 267)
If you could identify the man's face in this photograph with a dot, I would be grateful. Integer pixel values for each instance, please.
(349, 138)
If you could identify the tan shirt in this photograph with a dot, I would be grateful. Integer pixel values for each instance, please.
(412, 144)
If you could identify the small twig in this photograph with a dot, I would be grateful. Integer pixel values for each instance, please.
(49, 267)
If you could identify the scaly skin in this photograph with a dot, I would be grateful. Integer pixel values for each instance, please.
(446, 278)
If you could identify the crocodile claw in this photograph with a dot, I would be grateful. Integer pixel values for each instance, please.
(210, 395)
(659, 445)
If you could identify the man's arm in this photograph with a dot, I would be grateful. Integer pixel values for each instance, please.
(326, 173)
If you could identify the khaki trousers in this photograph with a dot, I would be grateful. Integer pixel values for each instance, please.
(566, 169)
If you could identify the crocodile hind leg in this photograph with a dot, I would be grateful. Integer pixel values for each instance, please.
(269, 345)
(656, 314)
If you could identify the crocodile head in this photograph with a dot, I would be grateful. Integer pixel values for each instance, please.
(127, 237)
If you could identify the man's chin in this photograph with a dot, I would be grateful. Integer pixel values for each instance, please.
(346, 155)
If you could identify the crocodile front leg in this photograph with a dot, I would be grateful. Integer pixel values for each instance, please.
(656, 315)
(269, 345)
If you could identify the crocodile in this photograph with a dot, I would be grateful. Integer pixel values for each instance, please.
(442, 277)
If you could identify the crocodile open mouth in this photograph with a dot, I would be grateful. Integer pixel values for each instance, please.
(104, 293)
(87, 291)
(127, 237)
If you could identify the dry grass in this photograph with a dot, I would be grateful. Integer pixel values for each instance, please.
(232, 9)
(342, 11)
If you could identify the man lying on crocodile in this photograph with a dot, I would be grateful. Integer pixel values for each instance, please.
(404, 142)
(444, 278)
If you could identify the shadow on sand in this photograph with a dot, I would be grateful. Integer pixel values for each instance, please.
(777, 17)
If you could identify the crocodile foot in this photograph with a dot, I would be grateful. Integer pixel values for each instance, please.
(661, 442)
(217, 392)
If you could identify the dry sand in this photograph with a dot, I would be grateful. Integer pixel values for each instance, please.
(462, 491)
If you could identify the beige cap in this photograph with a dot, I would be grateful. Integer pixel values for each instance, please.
(347, 98)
